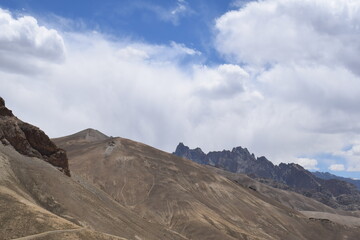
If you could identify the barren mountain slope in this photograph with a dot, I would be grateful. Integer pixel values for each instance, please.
(39, 202)
(187, 197)
(296, 201)
(37, 198)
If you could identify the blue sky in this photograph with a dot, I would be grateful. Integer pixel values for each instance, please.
(156, 22)
(280, 77)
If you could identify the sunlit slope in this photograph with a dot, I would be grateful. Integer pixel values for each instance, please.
(38, 201)
(187, 197)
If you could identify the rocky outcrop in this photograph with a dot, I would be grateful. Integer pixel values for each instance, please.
(334, 193)
(239, 160)
(30, 140)
(197, 155)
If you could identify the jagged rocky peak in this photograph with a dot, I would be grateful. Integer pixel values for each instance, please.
(30, 140)
(4, 111)
(334, 193)
(240, 150)
(196, 155)
(291, 165)
(181, 148)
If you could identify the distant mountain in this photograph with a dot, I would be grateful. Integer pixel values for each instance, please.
(333, 192)
(327, 176)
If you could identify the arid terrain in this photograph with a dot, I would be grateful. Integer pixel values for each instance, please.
(191, 199)
(115, 188)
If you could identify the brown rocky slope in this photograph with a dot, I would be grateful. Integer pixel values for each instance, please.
(39, 202)
(187, 197)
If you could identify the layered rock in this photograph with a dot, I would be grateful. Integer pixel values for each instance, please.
(30, 140)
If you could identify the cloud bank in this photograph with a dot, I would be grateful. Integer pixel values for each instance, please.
(304, 58)
(289, 89)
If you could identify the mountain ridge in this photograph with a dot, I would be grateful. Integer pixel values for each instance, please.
(334, 193)
(327, 176)
(185, 196)
(122, 189)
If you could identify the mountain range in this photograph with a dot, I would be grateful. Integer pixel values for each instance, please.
(91, 186)
(327, 176)
(335, 193)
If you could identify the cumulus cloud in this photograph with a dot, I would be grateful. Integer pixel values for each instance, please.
(297, 31)
(301, 56)
(284, 101)
(24, 45)
(224, 81)
(337, 167)
(130, 89)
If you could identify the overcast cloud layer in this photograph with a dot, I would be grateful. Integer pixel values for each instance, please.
(289, 89)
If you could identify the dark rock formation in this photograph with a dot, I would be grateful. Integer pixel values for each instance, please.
(197, 155)
(239, 160)
(4, 111)
(334, 192)
(30, 140)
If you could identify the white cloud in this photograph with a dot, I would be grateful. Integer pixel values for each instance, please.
(292, 31)
(224, 81)
(174, 52)
(180, 8)
(130, 52)
(25, 46)
(352, 156)
(143, 91)
(173, 14)
(123, 88)
(182, 48)
(307, 163)
(337, 167)
(301, 55)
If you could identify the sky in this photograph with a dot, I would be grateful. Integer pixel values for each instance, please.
(279, 77)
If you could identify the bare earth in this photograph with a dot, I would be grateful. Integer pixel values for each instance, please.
(121, 189)
(189, 198)
(36, 198)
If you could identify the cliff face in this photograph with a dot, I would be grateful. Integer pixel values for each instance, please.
(238, 160)
(30, 140)
(334, 193)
